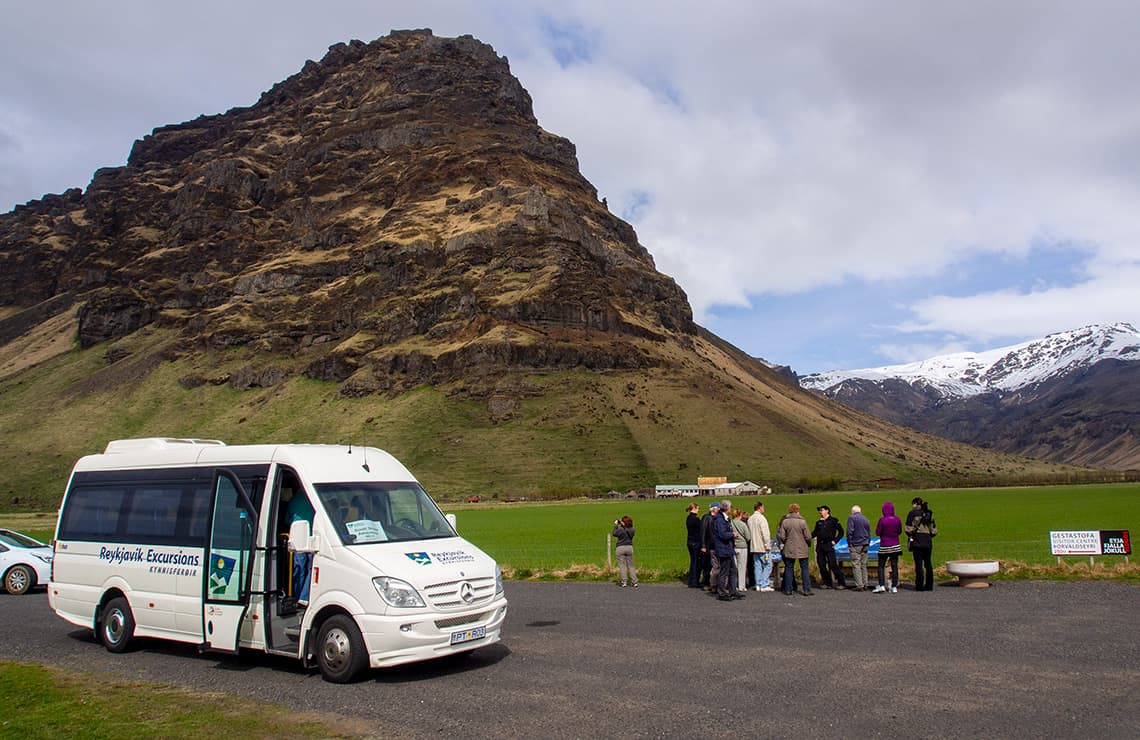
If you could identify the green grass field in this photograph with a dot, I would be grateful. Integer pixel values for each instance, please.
(1009, 524)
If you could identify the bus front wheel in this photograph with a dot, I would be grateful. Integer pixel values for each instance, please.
(117, 625)
(340, 650)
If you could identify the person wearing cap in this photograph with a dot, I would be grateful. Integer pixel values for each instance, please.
(710, 567)
(794, 533)
(828, 530)
(858, 539)
(724, 547)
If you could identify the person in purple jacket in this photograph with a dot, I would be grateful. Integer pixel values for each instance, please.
(889, 529)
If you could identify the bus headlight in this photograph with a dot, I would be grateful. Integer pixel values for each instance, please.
(397, 593)
(498, 580)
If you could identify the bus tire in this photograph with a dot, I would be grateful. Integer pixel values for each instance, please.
(19, 580)
(341, 654)
(117, 625)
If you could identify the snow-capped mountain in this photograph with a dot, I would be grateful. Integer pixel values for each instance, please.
(965, 374)
(1071, 397)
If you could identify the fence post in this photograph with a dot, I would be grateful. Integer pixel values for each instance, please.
(609, 563)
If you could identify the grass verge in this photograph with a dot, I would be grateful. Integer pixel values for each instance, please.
(43, 702)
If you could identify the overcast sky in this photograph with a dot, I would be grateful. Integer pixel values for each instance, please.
(835, 184)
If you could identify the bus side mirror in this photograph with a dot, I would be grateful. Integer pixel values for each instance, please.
(451, 520)
(300, 539)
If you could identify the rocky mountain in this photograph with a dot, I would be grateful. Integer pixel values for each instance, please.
(387, 247)
(1072, 396)
(393, 191)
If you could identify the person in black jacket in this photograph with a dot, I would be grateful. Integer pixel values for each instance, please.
(693, 541)
(920, 531)
(828, 530)
(710, 566)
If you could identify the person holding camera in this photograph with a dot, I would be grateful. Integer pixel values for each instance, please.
(920, 531)
(623, 533)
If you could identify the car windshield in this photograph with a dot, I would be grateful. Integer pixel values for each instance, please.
(15, 539)
(382, 512)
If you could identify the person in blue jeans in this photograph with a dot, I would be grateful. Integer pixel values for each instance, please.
(298, 509)
(761, 548)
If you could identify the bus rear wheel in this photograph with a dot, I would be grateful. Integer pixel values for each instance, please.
(117, 625)
(340, 650)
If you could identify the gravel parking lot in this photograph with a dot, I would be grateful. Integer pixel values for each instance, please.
(1020, 659)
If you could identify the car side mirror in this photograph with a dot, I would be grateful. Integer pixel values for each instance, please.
(450, 520)
(300, 538)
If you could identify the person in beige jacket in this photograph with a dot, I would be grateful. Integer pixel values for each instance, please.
(761, 548)
(796, 536)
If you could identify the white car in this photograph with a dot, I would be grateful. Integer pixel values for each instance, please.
(25, 562)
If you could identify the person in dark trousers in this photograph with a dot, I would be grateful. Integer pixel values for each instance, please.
(858, 540)
(724, 547)
(828, 530)
(920, 532)
(708, 558)
(693, 542)
(889, 529)
(793, 532)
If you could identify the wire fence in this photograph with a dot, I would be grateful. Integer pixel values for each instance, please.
(674, 560)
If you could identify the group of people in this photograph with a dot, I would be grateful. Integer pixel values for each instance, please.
(719, 545)
(720, 542)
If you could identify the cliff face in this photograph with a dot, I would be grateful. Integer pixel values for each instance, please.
(388, 216)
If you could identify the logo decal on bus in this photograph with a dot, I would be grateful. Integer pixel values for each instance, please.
(419, 557)
(221, 569)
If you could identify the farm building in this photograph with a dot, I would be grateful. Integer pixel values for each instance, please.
(710, 487)
(675, 491)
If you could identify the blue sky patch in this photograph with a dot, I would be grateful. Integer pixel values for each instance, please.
(569, 41)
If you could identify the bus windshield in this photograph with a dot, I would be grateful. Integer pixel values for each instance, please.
(365, 513)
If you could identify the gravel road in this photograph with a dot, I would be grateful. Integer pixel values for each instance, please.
(1020, 659)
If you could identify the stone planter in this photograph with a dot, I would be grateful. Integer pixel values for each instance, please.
(972, 573)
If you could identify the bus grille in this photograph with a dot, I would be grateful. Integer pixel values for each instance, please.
(459, 594)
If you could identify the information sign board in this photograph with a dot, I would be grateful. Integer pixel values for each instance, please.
(1091, 542)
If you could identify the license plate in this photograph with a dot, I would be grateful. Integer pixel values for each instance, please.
(468, 635)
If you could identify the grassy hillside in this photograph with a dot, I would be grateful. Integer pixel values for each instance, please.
(522, 434)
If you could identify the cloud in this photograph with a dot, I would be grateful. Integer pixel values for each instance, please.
(1104, 298)
(799, 149)
(763, 151)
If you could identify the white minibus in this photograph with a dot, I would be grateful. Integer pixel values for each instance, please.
(198, 541)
